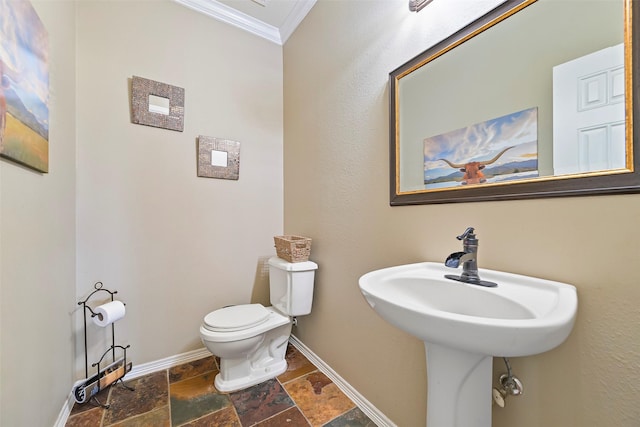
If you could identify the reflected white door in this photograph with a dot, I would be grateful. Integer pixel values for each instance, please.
(588, 113)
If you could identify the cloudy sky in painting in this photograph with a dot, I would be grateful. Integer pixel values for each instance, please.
(24, 47)
(483, 141)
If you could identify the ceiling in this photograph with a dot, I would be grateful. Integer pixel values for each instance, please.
(274, 20)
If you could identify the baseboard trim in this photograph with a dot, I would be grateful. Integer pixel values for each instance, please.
(63, 416)
(380, 419)
(168, 362)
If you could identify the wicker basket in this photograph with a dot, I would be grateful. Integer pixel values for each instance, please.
(293, 248)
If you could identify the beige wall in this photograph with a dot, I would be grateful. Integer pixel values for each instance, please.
(122, 203)
(135, 216)
(175, 246)
(37, 251)
(336, 191)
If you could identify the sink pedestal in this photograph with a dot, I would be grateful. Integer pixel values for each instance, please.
(463, 325)
(459, 387)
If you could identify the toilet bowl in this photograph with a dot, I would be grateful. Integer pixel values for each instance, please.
(250, 339)
(251, 354)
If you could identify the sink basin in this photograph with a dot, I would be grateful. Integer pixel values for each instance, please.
(463, 326)
(520, 317)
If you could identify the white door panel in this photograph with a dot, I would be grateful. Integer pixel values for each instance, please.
(588, 113)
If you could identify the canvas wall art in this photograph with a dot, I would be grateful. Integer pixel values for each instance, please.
(24, 86)
(497, 150)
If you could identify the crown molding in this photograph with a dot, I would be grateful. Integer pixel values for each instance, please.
(241, 20)
(234, 17)
(300, 10)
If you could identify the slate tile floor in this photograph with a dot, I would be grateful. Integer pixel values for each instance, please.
(185, 396)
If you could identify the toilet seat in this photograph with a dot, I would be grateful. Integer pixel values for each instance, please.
(236, 318)
(273, 320)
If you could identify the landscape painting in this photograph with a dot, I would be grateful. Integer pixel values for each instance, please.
(497, 150)
(24, 86)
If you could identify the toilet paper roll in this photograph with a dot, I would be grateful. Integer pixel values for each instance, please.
(108, 313)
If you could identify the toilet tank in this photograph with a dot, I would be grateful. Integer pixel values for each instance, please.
(291, 286)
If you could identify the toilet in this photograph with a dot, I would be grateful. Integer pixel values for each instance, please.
(251, 339)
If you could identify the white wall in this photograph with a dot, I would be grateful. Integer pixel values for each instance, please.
(37, 251)
(173, 245)
(337, 192)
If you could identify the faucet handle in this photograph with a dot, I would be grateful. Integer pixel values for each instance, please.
(467, 233)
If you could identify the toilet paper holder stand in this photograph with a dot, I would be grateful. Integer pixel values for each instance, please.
(108, 375)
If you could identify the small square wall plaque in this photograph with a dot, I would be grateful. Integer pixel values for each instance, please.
(157, 104)
(218, 158)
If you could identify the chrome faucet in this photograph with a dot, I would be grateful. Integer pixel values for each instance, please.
(469, 260)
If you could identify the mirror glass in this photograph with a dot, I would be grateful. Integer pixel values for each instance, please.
(158, 104)
(532, 94)
(219, 158)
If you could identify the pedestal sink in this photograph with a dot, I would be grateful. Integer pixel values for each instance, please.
(464, 326)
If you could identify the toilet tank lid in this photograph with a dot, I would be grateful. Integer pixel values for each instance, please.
(236, 317)
(292, 266)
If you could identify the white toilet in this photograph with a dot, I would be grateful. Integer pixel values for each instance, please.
(250, 339)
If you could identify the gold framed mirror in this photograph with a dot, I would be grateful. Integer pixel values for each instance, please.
(533, 99)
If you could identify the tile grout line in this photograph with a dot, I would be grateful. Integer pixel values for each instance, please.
(374, 414)
(303, 375)
(216, 368)
(169, 396)
(235, 411)
(104, 412)
(295, 404)
(298, 407)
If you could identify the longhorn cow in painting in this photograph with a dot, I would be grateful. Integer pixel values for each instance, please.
(473, 170)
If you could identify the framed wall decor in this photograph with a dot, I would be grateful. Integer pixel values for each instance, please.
(157, 104)
(218, 158)
(24, 87)
(467, 98)
(501, 149)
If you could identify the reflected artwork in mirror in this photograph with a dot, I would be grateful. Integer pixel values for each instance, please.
(517, 105)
